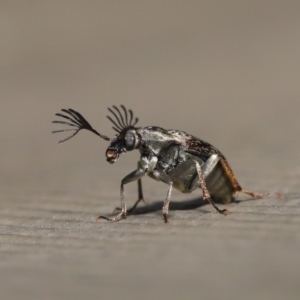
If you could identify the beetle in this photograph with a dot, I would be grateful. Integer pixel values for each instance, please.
(178, 159)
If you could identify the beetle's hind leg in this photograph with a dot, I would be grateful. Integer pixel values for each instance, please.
(252, 194)
(206, 195)
(237, 188)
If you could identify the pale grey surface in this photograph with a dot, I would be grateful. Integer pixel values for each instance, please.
(226, 71)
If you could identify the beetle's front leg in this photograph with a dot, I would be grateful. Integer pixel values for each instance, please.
(135, 175)
(140, 195)
(206, 195)
(161, 176)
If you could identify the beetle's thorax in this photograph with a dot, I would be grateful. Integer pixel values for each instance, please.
(153, 140)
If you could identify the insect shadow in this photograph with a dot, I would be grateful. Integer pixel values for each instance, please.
(156, 206)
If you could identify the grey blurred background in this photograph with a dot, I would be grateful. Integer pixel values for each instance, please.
(225, 71)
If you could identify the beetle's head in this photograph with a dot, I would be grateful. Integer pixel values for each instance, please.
(126, 139)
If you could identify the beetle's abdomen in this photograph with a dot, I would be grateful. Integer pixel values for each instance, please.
(219, 185)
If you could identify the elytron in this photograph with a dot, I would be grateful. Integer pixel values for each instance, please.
(176, 158)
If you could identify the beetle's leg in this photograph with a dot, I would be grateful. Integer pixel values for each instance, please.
(252, 194)
(140, 193)
(210, 164)
(160, 175)
(140, 196)
(206, 169)
(135, 175)
(206, 195)
(234, 182)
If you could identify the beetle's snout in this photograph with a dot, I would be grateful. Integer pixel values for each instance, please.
(112, 155)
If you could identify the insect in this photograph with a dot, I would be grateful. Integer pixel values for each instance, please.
(176, 158)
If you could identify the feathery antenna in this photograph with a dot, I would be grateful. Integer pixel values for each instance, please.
(121, 121)
(75, 119)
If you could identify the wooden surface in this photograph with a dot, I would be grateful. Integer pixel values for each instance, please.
(227, 72)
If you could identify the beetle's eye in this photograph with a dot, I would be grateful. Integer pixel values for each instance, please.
(130, 140)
